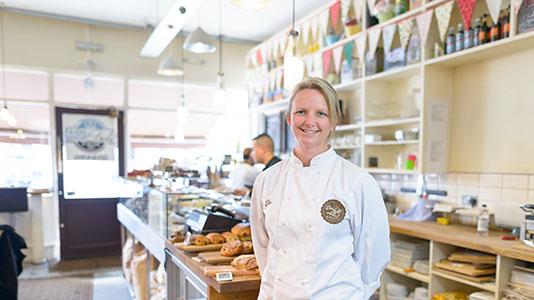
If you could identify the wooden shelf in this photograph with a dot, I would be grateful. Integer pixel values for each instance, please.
(489, 286)
(350, 147)
(398, 73)
(390, 171)
(392, 122)
(413, 275)
(388, 143)
(348, 127)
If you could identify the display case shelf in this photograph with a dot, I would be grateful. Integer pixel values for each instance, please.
(414, 275)
(390, 171)
(392, 122)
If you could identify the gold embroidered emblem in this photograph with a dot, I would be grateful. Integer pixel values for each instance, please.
(333, 211)
(267, 202)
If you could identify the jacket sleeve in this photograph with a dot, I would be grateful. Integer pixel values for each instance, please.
(260, 238)
(372, 251)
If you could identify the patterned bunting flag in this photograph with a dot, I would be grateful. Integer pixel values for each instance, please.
(337, 53)
(517, 4)
(423, 23)
(361, 40)
(466, 9)
(317, 64)
(358, 4)
(269, 51)
(493, 7)
(308, 61)
(443, 16)
(334, 12)
(314, 27)
(345, 6)
(276, 48)
(283, 41)
(405, 28)
(374, 36)
(326, 62)
(347, 50)
(388, 33)
(323, 22)
(305, 31)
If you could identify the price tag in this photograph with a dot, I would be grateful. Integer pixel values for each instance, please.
(224, 276)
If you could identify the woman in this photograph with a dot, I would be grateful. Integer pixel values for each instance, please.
(319, 224)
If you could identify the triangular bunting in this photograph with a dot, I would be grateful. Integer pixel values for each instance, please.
(466, 9)
(269, 51)
(443, 16)
(308, 61)
(258, 57)
(361, 40)
(263, 51)
(388, 33)
(314, 27)
(374, 36)
(337, 53)
(323, 22)
(334, 12)
(347, 50)
(423, 23)
(371, 4)
(327, 55)
(283, 41)
(517, 4)
(305, 31)
(358, 4)
(276, 48)
(345, 6)
(405, 28)
(247, 61)
(317, 64)
(493, 7)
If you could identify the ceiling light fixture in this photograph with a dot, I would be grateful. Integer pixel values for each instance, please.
(219, 96)
(293, 64)
(182, 112)
(170, 67)
(199, 41)
(5, 115)
(171, 24)
(251, 4)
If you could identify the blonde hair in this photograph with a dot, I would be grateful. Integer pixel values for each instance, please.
(329, 94)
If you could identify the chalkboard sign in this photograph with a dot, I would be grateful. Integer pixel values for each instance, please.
(526, 17)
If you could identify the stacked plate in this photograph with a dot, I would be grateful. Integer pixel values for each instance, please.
(405, 253)
(421, 266)
(421, 293)
(395, 291)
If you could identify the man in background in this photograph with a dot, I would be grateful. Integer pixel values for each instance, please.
(244, 174)
(263, 151)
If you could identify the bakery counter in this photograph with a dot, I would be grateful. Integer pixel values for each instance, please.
(186, 280)
(463, 236)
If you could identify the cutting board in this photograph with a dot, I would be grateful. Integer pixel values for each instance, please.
(193, 248)
(473, 257)
(212, 270)
(464, 268)
(486, 278)
(215, 257)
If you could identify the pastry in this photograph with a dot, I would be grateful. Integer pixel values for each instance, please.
(245, 262)
(229, 236)
(215, 238)
(232, 248)
(241, 230)
(200, 240)
(247, 248)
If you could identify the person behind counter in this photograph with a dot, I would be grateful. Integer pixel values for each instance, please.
(244, 174)
(319, 224)
(263, 151)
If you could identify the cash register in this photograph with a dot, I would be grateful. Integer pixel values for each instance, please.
(214, 219)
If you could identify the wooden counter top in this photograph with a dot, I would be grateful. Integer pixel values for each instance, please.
(463, 236)
(238, 284)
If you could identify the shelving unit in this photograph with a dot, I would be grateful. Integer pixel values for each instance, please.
(414, 275)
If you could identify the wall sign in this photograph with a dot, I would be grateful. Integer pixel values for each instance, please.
(89, 137)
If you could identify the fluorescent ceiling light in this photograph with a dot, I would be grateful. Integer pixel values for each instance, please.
(176, 17)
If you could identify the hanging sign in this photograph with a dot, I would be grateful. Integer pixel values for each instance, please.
(327, 55)
(347, 50)
(337, 53)
(423, 23)
(89, 137)
(405, 28)
(374, 36)
(345, 6)
(493, 7)
(334, 12)
(388, 33)
(443, 16)
(305, 31)
(466, 9)
(358, 4)
(361, 40)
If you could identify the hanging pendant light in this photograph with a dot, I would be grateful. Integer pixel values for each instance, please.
(251, 4)
(182, 112)
(219, 96)
(293, 64)
(169, 66)
(199, 41)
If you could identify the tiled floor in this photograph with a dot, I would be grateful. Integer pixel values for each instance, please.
(108, 282)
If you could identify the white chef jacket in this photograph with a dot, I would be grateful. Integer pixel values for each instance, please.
(300, 255)
(243, 174)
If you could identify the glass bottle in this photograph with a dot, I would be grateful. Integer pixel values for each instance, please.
(483, 36)
(460, 38)
(483, 221)
(450, 41)
(468, 37)
(400, 7)
(506, 26)
(476, 33)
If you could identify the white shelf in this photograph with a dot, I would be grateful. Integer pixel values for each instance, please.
(392, 122)
(349, 147)
(271, 107)
(349, 85)
(387, 143)
(490, 286)
(413, 275)
(348, 127)
(390, 171)
(398, 73)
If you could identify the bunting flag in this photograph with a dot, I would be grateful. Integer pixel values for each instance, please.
(269, 51)
(276, 48)
(405, 28)
(263, 52)
(371, 4)
(323, 22)
(388, 33)
(517, 4)
(247, 61)
(314, 26)
(493, 7)
(334, 12)
(337, 53)
(361, 40)
(345, 6)
(374, 36)
(305, 31)
(347, 50)
(327, 55)
(317, 64)
(258, 57)
(443, 16)
(308, 61)
(358, 4)
(423, 23)
(279, 76)
(283, 41)
(466, 9)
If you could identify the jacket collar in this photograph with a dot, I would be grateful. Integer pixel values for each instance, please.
(317, 161)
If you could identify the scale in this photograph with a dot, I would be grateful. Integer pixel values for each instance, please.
(217, 219)
(527, 226)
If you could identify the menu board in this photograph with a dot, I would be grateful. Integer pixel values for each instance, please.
(526, 17)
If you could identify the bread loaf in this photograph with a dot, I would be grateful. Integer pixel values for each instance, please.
(200, 240)
(232, 248)
(245, 262)
(241, 230)
(215, 238)
(229, 236)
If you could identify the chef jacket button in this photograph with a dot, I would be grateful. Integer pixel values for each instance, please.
(284, 251)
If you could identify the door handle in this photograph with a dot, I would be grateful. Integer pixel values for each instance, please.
(60, 193)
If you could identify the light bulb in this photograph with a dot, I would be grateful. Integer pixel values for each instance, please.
(182, 114)
(4, 114)
(179, 134)
(11, 121)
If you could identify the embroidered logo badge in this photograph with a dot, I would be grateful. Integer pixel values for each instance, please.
(333, 211)
(267, 202)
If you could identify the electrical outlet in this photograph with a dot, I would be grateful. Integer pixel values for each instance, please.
(469, 200)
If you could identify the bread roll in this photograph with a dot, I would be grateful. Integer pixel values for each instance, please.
(245, 262)
(200, 240)
(232, 248)
(215, 238)
(229, 236)
(241, 230)
(247, 248)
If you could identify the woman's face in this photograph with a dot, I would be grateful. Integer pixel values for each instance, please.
(309, 119)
